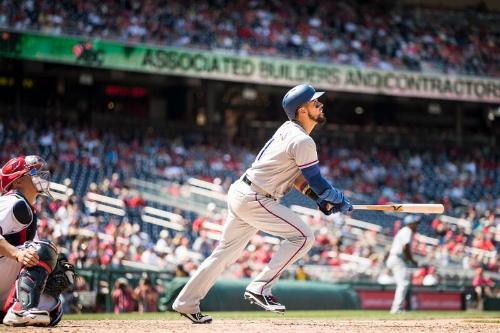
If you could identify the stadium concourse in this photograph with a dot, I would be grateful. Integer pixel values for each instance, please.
(89, 162)
(377, 34)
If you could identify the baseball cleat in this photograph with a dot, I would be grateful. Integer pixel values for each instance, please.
(197, 318)
(30, 317)
(267, 302)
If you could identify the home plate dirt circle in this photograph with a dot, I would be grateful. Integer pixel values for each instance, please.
(270, 325)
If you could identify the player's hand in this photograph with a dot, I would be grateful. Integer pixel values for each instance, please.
(345, 206)
(331, 195)
(333, 202)
(27, 257)
(326, 207)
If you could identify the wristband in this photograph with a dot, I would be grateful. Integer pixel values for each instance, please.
(305, 188)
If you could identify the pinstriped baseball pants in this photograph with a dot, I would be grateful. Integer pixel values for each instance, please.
(248, 212)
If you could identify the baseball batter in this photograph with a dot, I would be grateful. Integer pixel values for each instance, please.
(288, 159)
(400, 259)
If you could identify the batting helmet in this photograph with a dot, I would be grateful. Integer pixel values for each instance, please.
(409, 219)
(298, 96)
(31, 165)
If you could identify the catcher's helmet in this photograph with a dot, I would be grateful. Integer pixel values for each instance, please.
(298, 96)
(31, 165)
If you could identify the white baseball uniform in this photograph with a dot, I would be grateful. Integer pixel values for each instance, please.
(253, 207)
(397, 264)
(16, 233)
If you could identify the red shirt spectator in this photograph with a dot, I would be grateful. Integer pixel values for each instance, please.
(122, 296)
(480, 280)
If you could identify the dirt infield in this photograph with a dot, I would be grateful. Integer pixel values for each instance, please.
(270, 325)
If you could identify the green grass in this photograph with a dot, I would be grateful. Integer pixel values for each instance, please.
(334, 314)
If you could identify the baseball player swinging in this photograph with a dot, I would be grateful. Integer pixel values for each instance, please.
(33, 276)
(288, 159)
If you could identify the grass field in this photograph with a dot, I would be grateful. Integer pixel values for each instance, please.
(333, 314)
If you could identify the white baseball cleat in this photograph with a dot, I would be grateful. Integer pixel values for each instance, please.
(267, 302)
(30, 317)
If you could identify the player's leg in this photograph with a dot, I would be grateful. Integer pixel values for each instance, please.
(60, 280)
(29, 286)
(235, 237)
(276, 219)
(10, 270)
(400, 272)
(53, 306)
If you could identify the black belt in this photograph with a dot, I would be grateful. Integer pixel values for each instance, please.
(249, 183)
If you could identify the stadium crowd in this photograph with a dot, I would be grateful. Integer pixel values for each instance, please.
(378, 34)
(93, 239)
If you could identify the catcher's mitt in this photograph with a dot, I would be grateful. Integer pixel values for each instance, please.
(62, 277)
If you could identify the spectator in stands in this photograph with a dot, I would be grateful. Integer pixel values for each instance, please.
(385, 277)
(70, 223)
(355, 33)
(180, 271)
(203, 245)
(301, 274)
(425, 276)
(147, 296)
(123, 297)
(482, 286)
(431, 278)
(419, 275)
(164, 242)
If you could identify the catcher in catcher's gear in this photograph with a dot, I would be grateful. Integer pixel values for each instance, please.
(39, 296)
(26, 263)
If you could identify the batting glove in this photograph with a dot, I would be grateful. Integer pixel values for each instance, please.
(331, 195)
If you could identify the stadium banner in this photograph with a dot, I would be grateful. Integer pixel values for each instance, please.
(431, 300)
(420, 299)
(229, 67)
(375, 299)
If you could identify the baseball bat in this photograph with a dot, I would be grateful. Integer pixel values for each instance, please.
(404, 208)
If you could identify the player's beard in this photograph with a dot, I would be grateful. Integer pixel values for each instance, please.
(319, 119)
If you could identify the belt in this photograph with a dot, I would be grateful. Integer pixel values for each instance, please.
(249, 183)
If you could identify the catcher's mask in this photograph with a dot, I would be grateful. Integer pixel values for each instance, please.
(31, 165)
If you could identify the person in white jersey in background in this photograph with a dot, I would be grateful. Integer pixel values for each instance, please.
(400, 260)
(288, 159)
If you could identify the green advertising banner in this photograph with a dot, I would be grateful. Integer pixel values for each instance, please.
(213, 65)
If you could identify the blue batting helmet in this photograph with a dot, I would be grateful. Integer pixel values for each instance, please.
(298, 96)
(409, 219)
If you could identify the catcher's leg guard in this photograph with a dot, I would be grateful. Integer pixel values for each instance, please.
(29, 287)
(60, 280)
(54, 306)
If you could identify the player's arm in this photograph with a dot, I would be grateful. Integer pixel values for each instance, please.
(22, 214)
(303, 150)
(408, 255)
(302, 186)
(27, 257)
(7, 250)
(328, 198)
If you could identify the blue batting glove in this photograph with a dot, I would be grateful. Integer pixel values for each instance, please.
(345, 206)
(331, 195)
(333, 201)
